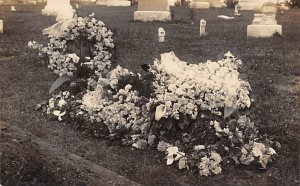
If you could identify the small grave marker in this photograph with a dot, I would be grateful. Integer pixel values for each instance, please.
(202, 27)
(13, 8)
(161, 34)
(1, 26)
(236, 10)
(118, 3)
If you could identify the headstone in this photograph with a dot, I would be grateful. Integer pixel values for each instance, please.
(236, 10)
(1, 26)
(153, 5)
(202, 27)
(254, 4)
(62, 9)
(265, 24)
(13, 8)
(77, 6)
(200, 4)
(118, 3)
(154, 10)
(32, 2)
(217, 3)
(101, 2)
(161, 34)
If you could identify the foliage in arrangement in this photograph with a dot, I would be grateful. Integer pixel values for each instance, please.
(192, 113)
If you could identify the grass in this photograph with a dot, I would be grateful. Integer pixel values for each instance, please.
(272, 66)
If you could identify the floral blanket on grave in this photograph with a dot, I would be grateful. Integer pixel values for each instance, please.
(193, 113)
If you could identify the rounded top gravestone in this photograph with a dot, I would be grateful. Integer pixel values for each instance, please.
(269, 9)
(202, 22)
(161, 34)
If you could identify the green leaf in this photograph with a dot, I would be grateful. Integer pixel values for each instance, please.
(228, 111)
(160, 111)
(58, 82)
(183, 122)
(169, 124)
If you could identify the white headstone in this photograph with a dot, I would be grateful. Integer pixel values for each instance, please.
(154, 10)
(202, 27)
(32, 2)
(118, 3)
(200, 4)
(77, 6)
(62, 9)
(254, 4)
(236, 10)
(13, 8)
(265, 24)
(101, 2)
(161, 34)
(1, 26)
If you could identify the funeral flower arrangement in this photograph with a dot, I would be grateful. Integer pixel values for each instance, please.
(193, 113)
(62, 48)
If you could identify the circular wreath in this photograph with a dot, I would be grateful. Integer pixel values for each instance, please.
(84, 43)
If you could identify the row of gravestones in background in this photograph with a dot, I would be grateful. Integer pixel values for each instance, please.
(20, 2)
(263, 25)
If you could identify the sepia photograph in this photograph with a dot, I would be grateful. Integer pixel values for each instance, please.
(149, 92)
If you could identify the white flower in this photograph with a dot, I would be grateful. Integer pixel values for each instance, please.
(199, 147)
(62, 102)
(30, 44)
(171, 152)
(210, 164)
(74, 57)
(271, 151)
(59, 114)
(228, 55)
(128, 87)
(51, 103)
(258, 149)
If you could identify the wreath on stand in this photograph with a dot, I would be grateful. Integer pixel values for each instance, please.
(85, 42)
(79, 51)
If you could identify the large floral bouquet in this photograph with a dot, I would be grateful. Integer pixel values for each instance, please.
(182, 89)
(190, 112)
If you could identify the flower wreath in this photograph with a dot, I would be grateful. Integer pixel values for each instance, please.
(89, 31)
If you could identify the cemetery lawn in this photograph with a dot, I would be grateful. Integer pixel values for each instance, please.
(272, 67)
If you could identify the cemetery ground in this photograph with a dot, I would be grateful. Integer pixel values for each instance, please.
(36, 151)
